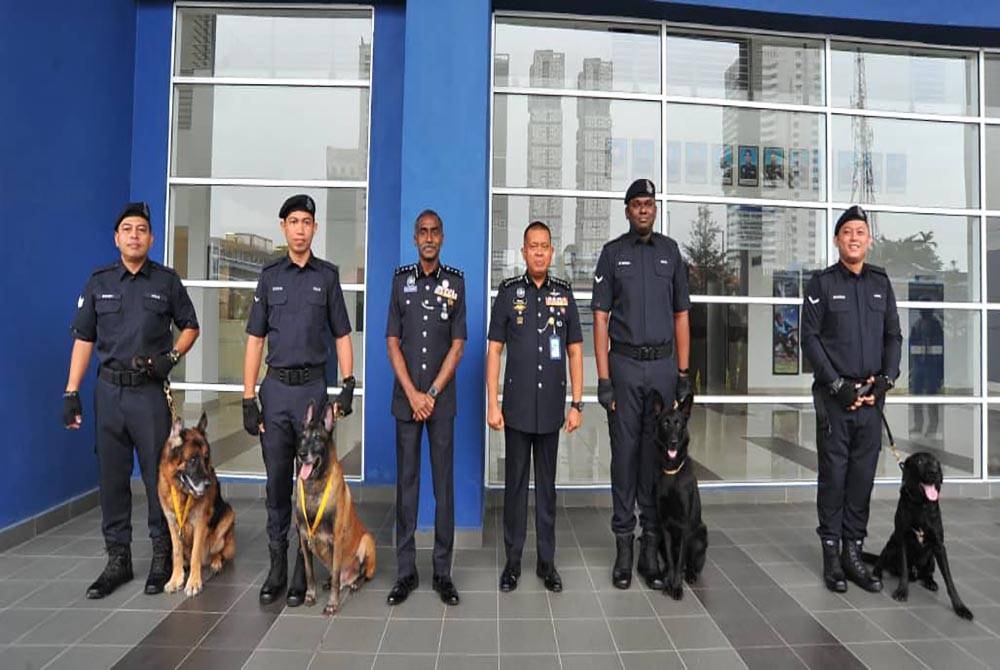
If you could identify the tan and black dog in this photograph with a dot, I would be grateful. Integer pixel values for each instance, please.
(202, 524)
(325, 517)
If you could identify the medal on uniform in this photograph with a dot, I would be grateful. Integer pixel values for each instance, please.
(444, 309)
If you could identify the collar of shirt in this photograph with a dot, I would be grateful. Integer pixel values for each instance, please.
(846, 271)
(418, 271)
(634, 237)
(310, 263)
(531, 282)
(144, 270)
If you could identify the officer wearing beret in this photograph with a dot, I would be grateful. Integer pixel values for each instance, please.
(535, 315)
(640, 303)
(298, 304)
(851, 336)
(125, 313)
(425, 338)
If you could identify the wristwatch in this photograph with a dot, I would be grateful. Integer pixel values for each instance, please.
(174, 356)
(433, 392)
(578, 406)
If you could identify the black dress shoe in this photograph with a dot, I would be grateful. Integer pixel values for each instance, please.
(509, 577)
(446, 589)
(277, 577)
(621, 575)
(117, 572)
(401, 589)
(297, 588)
(160, 567)
(550, 577)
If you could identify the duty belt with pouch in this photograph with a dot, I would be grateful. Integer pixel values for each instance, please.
(651, 352)
(296, 376)
(125, 377)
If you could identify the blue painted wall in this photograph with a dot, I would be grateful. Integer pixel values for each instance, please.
(65, 136)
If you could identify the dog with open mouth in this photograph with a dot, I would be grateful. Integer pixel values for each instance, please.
(684, 536)
(918, 534)
(327, 523)
(202, 524)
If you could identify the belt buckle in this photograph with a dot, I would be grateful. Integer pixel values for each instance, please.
(645, 353)
(294, 377)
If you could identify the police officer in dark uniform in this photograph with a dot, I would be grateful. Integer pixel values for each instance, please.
(125, 312)
(851, 336)
(535, 315)
(926, 366)
(425, 338)
(297, 305)
(640, 302)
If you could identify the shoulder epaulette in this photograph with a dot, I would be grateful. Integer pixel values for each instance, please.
(273, 263)
(560, 282)
(829, 269)
(327, 264)
(510, 281)
(104, 268)
(165, 268)
(454, 271)
(403, 269)
(878, 269)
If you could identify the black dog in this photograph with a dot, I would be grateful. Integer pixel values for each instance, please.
(678, 504)
(918, 534)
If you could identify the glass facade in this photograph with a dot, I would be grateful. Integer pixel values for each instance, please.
(298, 82)
(756, 143)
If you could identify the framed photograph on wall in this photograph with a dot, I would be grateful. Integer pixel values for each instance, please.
(785, 340)
(722, 156)
(785, 284)
(749, 165)
(774, 166)
(798, 169)
(696, 162)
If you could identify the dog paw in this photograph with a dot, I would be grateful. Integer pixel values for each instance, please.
(175, 584)
(691, 577)
(675, 591)
(901, 595)
(331, 608)
(356, 585)
(964, 612)
(216, 566)
(929, 584)
(310, 598)
(193, 587)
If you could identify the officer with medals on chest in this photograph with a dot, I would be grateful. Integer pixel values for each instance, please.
(640, 304)
(851, 336)
(125, 313)
(297, 306)
(425, 338)
(535, 316)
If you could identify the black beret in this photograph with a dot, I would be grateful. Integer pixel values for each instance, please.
(298, 203)
(640, 187)
(133, 209)
(852, 213)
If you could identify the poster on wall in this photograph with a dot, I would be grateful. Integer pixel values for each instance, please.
(749, 175)
(785, 340)
(785, 284)
(696, 162)
(774, 167)
(721, 166)
(798, 169)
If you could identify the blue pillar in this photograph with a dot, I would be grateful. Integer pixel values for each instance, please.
(445, 154)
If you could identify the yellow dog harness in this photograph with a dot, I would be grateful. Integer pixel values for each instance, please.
(311, 527)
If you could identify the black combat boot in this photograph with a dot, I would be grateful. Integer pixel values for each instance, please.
(855, 568)
(277, 577)
(117, 572)
(649, 560)
(621, 575)
(161, 566)
(297, 589)
(833, 574)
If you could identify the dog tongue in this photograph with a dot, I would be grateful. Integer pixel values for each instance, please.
(672, 453)
(305, 471)
(930, 492)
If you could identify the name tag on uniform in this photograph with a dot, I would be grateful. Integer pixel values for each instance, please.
(555, 348)
(556, 301)
(446, 293)
(838, 297)
(624, 262)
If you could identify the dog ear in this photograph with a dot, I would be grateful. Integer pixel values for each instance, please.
(686, 405)
(657, 402)
(310, 410)
(203, 423)
(175, 430)
(329, 418)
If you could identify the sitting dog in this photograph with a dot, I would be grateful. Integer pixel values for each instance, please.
(202, 524)
(918, 534)
(684, 536)
(325, 518)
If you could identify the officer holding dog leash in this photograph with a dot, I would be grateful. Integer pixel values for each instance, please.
(125, 313)
(851, 336)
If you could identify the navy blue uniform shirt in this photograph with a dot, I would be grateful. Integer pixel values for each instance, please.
(850, 325)
(295, 307)
(642, 285)
(128, 315)
(426, 312)
(526, 318)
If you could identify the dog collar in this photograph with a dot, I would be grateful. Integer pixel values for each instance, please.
(180, 514)
(675, 470)
(311, 527)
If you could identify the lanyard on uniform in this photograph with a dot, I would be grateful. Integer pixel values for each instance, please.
(311, 527)
(178, 513)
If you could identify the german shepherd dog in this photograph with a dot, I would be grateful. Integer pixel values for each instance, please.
(325, 518)
(202, 524)
(678, 504)
(918, 534)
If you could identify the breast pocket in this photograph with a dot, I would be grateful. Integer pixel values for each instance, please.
(876, 312)
(108, 305)
(317, 298)
(276, 303)
(109, 315)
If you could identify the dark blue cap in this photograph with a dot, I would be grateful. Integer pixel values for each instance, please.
(298, 203)
(640, 188)
(133, 209)
(852, 213)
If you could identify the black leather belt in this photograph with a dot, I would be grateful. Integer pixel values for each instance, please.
(643, 353)
(296, 376)
(125, 377)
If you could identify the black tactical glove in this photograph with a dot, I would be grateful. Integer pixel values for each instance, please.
(844, 391)
(881, 387)
(605, 393)
(684, 386)
(159, 366)
(251, 416)
(346, 398)
(71, 408)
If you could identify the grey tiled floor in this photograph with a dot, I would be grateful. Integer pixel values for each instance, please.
(759, 604)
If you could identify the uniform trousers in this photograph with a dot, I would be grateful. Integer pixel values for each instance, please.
(520, 448)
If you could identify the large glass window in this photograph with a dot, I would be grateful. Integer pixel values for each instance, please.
(266, 103)
(756, 147)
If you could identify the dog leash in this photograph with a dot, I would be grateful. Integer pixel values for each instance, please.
(311, 527)
(892, 443)
(170, 401)
(178, 513)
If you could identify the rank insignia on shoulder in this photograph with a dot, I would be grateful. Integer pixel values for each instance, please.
(403, 269)
(454, 271)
